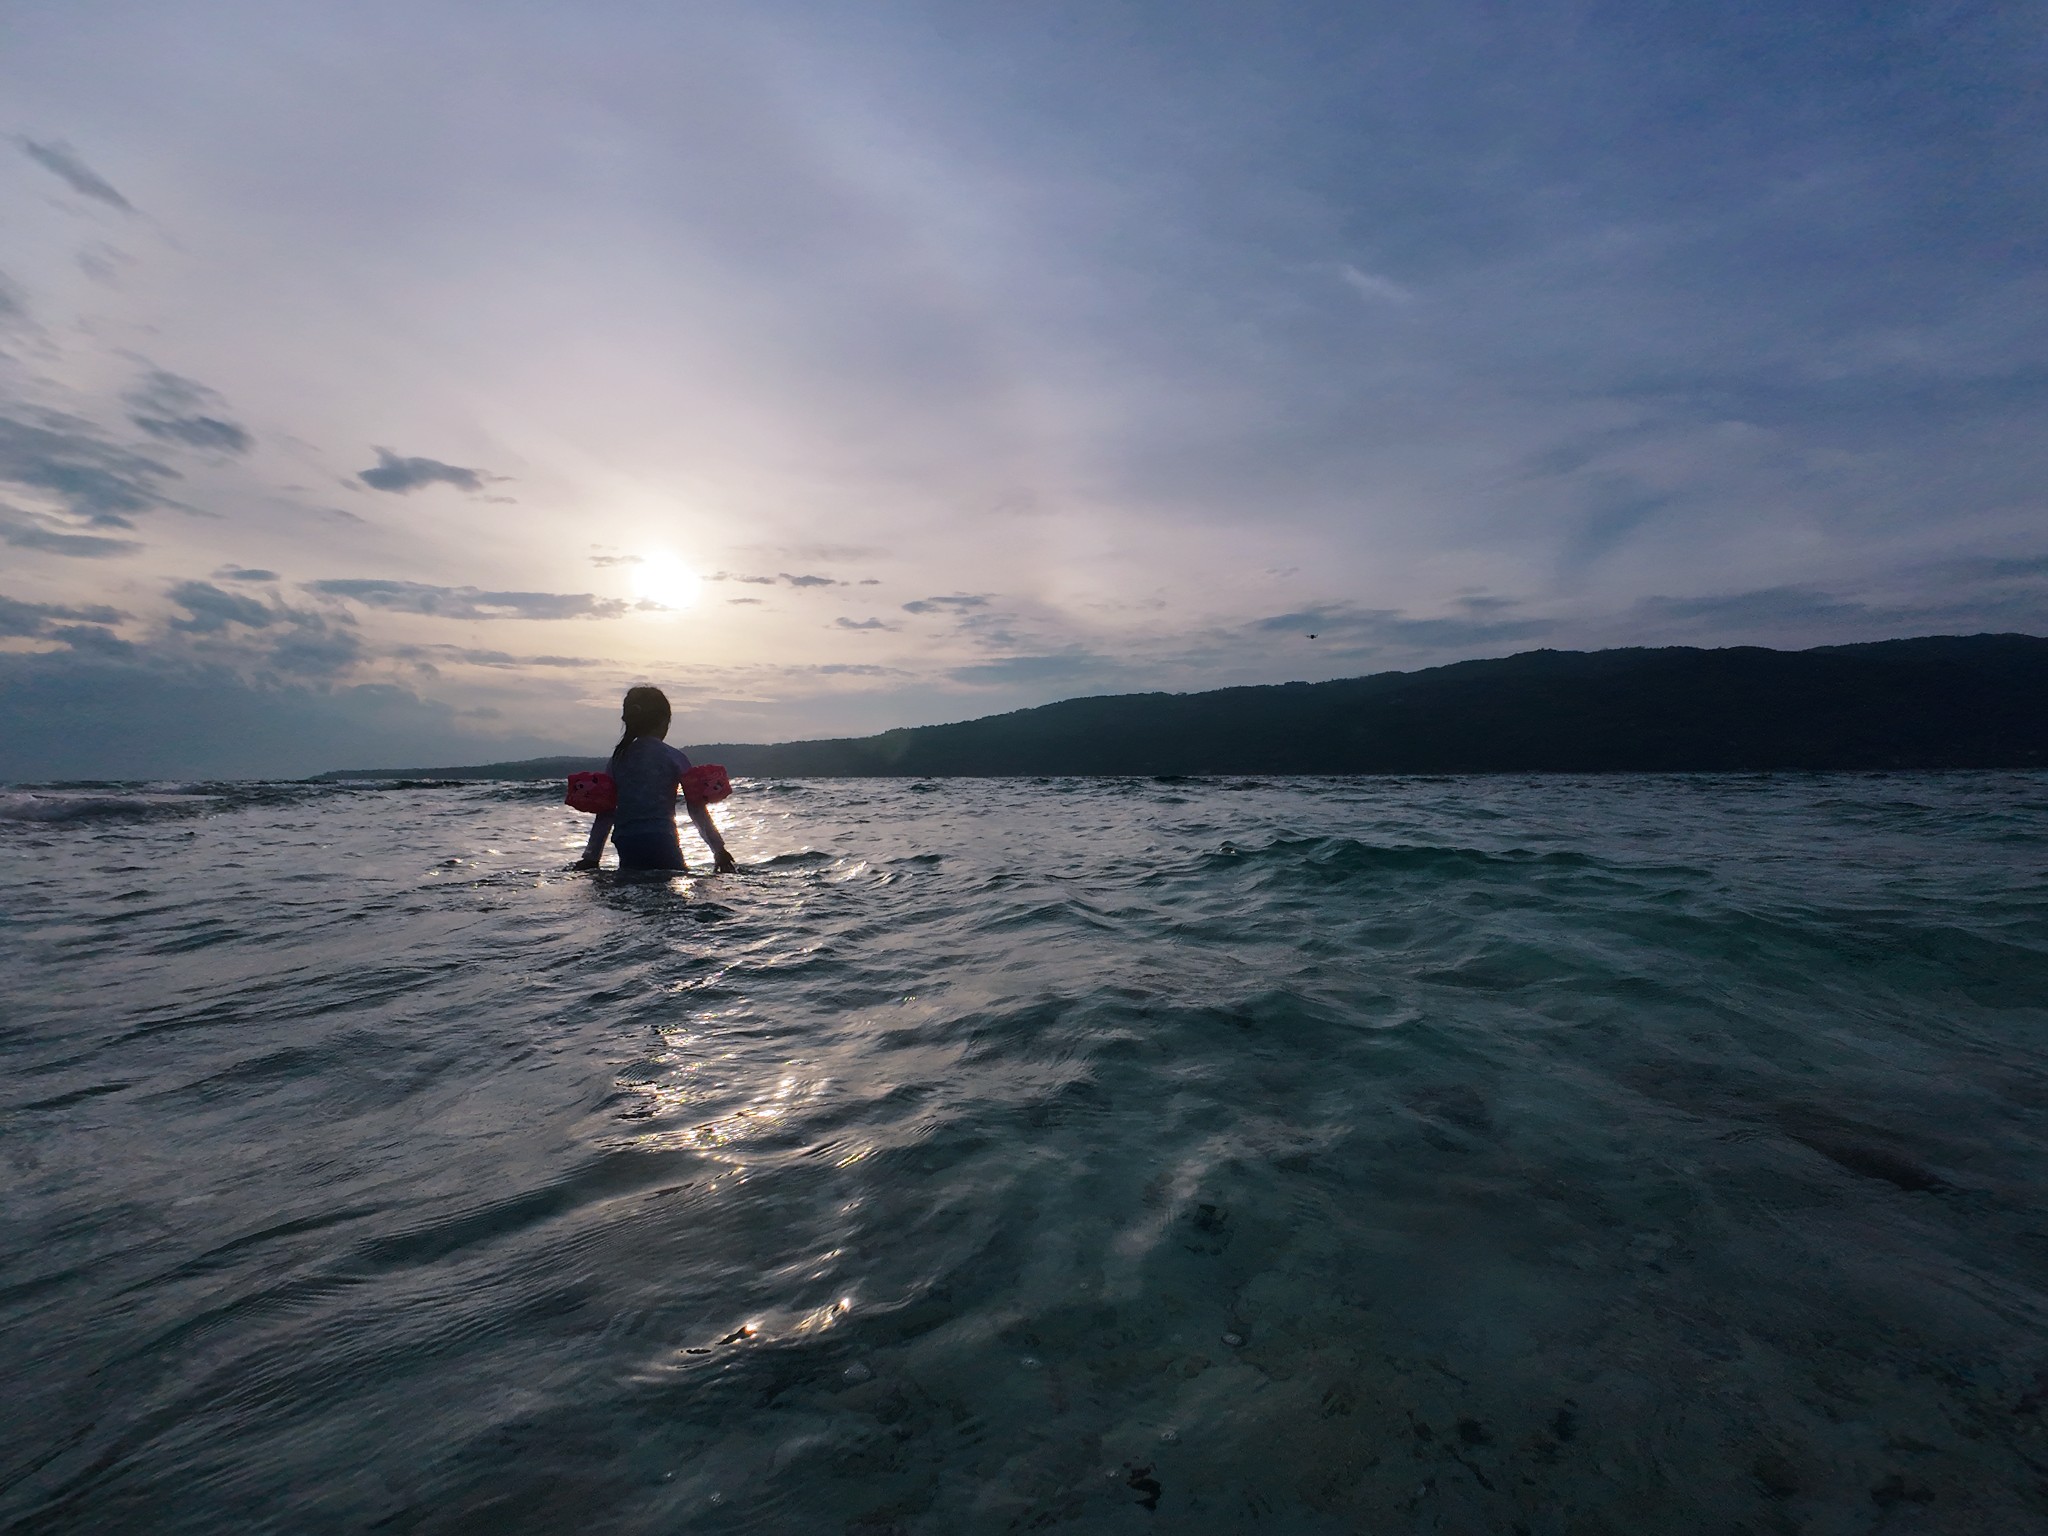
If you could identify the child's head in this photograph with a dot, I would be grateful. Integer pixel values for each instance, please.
(645, 712)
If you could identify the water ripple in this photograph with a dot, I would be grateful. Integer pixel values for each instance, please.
(1290, 1155)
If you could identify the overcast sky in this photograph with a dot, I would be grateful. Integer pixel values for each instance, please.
(385, 384)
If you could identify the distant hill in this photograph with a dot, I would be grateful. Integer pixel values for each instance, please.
(1978, 701)
(525, 768)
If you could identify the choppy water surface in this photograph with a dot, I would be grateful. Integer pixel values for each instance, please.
(1462, 1155)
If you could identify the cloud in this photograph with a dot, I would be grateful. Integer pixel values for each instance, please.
(745, 602)
(1373, 627)
(955, 603)
(855, 669)
(844, 623)
(173, 409)
(484, 658)
(276, 641)
(212, 609)
(53, 538)
(70, 461)
(1988, 595)
(781, 576)
(1988, 567)
(1372, 286)
(1065, 666)
(1343, 319)
(311, 648)
(1617, 506)
(244, 573)
(469, 602)
(147, 717)
(1765, 605)
(91, 640)
(62, 161)
(104, 263)
(402, 476)
(32, 621)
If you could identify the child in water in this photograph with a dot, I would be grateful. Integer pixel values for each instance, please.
(647, 771)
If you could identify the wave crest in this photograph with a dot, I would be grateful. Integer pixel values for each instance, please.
(47, 807)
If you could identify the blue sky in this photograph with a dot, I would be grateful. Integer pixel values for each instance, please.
(397, 383)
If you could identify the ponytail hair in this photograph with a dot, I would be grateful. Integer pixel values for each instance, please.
(646, 713)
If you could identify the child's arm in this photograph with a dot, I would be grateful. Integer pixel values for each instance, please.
(700, 817)
(593, 850)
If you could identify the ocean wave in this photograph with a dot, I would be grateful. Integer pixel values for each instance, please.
(1339, 859)
(87, 806)
(1534, 1144)
(797, 859)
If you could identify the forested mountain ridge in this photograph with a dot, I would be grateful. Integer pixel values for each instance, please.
(1978, 701)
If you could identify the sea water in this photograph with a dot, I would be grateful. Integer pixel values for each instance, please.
(1548, 1155)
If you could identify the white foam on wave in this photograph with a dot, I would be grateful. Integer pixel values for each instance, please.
(61, 805)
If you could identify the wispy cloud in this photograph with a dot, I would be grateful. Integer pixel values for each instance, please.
(183, 411)
(62, 161)
(1764, 605)
(223, 630)
(1970, 601)
(1063, 667)
(209, 608)
(259, 638)
(470, 656)
(310, 647)
(24, 620)
(468, 602)
(401, 476)
(1343, 625)
(1099, 380)
(1371, 285)
(48, 536)
(193, 717)
(786, 578)
(68, 461)
(957, 603)
(1615, 506)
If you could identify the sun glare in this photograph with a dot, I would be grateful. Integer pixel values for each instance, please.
(664, 581)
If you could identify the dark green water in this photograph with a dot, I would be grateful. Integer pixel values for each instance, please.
(1470, 1155)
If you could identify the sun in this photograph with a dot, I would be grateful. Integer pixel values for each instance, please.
(664, 581)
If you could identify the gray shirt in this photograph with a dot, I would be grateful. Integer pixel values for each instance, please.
(647, 771)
